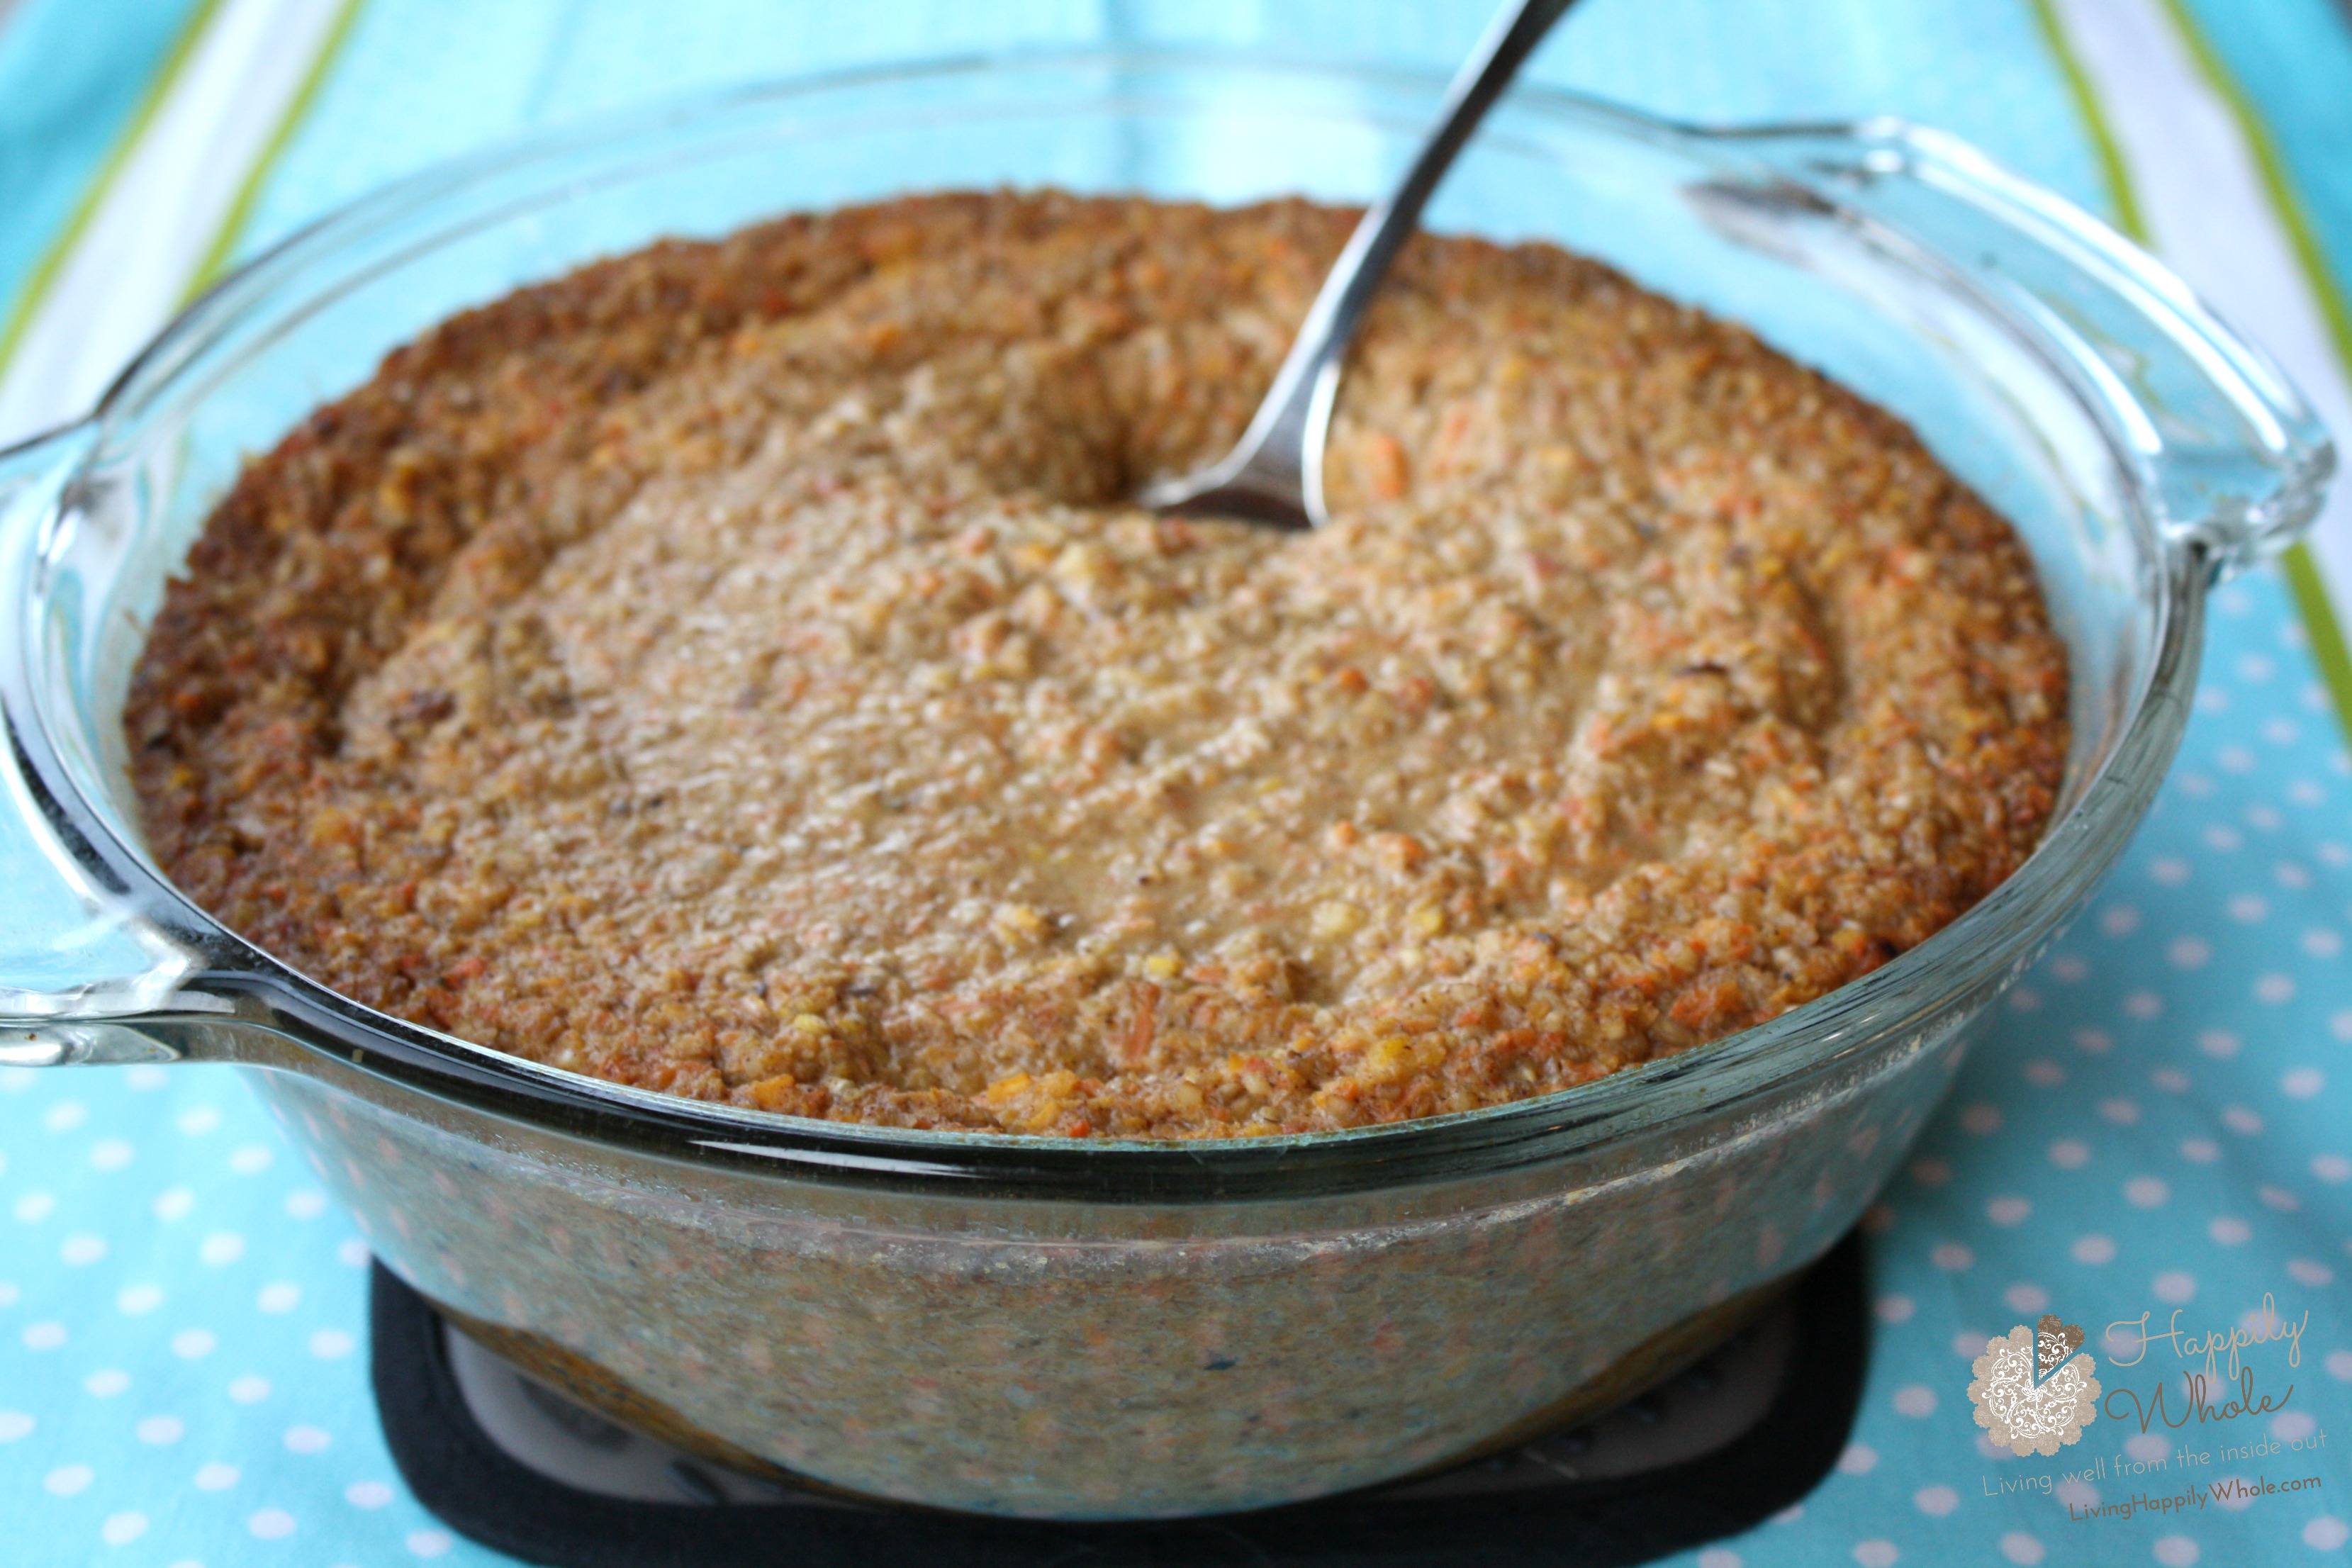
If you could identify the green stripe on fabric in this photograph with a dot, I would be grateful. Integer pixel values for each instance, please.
(2123, 199)
(45, 271)
(2326, 632)
(2273, 169)
(231, 232)
(2328, 649)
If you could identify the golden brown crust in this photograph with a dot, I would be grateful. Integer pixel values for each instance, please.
(731, 669)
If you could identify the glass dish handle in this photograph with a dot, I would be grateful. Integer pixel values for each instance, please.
(2227, 455)
(75, 961)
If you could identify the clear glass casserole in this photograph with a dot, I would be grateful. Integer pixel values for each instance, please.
(1086, 1329)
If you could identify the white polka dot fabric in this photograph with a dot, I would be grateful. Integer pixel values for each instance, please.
(182, 1374)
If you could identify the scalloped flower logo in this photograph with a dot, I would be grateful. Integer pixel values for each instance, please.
(2033, 1389)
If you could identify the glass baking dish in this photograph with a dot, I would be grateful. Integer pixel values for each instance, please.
(1088, 1328)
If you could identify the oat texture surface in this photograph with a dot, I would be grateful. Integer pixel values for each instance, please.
(738, 669)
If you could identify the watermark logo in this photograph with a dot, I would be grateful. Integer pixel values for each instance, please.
(2033, 1389)
(2034, 1393)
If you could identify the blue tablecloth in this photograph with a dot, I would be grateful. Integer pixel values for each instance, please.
(2162, 1120)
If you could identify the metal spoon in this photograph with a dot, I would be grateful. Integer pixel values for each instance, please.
(1274, 475)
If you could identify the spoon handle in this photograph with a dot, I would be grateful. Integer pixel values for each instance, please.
(1279, 457)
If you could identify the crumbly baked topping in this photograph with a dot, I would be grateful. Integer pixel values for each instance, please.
(736, 669)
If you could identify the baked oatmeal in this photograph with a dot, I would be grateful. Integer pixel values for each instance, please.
(739, 670)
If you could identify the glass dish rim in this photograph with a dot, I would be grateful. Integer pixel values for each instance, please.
(260, 991)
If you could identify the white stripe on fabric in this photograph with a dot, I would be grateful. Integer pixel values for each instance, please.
(131, 266)
(2209, 216)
